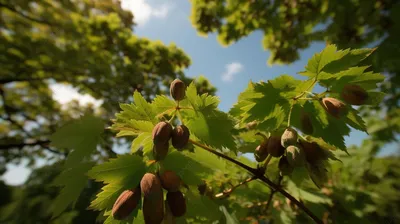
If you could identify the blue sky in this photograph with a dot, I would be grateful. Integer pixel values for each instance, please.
(228, 68)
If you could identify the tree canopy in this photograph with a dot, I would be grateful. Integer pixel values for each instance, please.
(89, 45)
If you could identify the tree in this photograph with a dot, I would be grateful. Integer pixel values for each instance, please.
(86, 44)
(291, 26)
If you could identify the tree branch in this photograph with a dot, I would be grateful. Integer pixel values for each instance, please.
(12, 9)
(22, 144)
(9, 80)
(260, 175)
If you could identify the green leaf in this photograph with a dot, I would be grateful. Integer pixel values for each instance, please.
(331, 61)
(318, 173)
(355, 121)
(73, 180)
(354, 75)
(213, 128)
(206, 122)
(203, 103)
(144, 141)
(199, 206)
(162, 103)
(81, 136)
(270, 101)
(349, 59)
(192, 167)
(324, 125)
(121, 173)
(230, 218)
(144, 108)
(135, 217)
(319, 60)
(375, 98)
(117, 169)
(72, 134)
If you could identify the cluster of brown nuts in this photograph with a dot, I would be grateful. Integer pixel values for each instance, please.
(164, 131)
(161, 135)
(151, 187)
(286, 146)
(351, 94)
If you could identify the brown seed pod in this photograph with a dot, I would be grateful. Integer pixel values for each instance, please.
(161, 133)
(334, 107)
(177, 203)
(170, 181)
(312, 151)
(177, 89)
(289, 137)
(261, 151)
(202, 188)
(153, 200)
(274, 146)
(295, 156)
(305, 124)
(160, 151)
(126, 203)
(180, 137)
(354, 94)
(153, 210)
(284, 166)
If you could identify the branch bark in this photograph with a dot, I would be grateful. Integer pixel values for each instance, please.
(260, 176)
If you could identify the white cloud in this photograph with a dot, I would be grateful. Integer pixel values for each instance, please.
(231, 70)
(143, 11)
(65, 93)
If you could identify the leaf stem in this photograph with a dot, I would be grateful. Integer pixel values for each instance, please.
(227, 192)
(305, 91)
(290, 114)
(259, 174)
(173, 116)
(267, 161)
(251, 170)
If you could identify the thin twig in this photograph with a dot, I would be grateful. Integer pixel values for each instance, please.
(272, 193)
(229, 191)
(260, 176)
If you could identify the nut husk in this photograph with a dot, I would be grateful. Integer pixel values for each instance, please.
(334, 107)
(312, 151)
(274, 146)
(354, 94)
(180, 136)
(261, 152)
(160, 151)
(126, 203)
(284, 166)
(177, 203)
(295, 156)
(161, 133)
(289, 137)
(153, 200)
(170, 181)
(177, 89)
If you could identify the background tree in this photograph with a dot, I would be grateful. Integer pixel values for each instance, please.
(86, 44)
